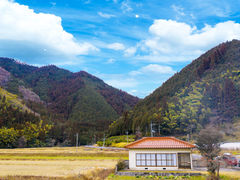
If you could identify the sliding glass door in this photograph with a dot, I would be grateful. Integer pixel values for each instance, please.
(156, 159)
(184, 160)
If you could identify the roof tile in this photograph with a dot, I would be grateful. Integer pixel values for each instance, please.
(159, 143)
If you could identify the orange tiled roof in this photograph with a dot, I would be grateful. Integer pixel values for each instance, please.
(159, 143)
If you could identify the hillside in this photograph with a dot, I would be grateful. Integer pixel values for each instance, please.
(204, 92)
(74, 102)
(19, 125)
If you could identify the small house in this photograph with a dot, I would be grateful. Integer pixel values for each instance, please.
(160, 153)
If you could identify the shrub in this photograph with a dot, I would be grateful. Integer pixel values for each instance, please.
(112, 141)
(21, 142)
(121, 165)
(97, 174)
(100, 143)
(8, 137)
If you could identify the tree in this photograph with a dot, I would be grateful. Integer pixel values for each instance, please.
(208, 143)
(230, 107)
(8, 137)
(138, 133)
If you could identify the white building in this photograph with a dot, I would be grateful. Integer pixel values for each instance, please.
(160, 153)
(231, 146)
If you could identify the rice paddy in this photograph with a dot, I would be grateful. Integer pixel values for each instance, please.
(68, 163)
(57, 162)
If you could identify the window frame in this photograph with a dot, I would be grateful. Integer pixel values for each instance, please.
(166, 160)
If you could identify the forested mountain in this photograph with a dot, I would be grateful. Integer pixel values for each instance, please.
(19, 125)
(71, 102)
(207, 91)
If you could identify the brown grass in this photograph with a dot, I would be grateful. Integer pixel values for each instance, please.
(58, 163)
(53, 168)
(97, 174)
(61, 150)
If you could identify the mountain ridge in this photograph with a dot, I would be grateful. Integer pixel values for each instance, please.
(204, 92)
(67, 97)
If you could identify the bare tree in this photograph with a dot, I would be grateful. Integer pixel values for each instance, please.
(208, 143)
(138, 133)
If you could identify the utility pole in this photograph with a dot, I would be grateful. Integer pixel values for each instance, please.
(159, 130)
(127, 136)
(151, 130)
(192, 126)
(104, 140)
(76, 141)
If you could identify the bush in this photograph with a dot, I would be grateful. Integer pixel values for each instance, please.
(112, 141)
(100, 143)
(97, 174)
(121, 165)
(119, 145)
(8, 137)
(21, 142)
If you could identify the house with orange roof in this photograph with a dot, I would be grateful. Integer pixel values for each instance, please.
(160, 153)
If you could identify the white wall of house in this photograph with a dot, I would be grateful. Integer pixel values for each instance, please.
(133, 152)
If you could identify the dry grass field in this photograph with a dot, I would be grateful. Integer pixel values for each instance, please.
(70, 163)
(65, 164)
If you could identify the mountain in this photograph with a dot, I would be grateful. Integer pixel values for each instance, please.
(205, 92)
(73, 102)
(19, 125)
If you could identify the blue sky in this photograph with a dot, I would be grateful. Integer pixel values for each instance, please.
(132, 45)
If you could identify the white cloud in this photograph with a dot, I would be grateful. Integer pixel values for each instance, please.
(153, 69)
(130, 51)
(172, 41)
(144, 79)
(192, 16)
(122, 83)
(214, 8)
(132, 92)
(111, 61)
(179, 10)
(105, 15)
(137, 16)
(125, 6)
(116, 46)
(67, 63)
(157, 69)
(38, 34)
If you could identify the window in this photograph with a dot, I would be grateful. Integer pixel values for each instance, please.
(159, 160)
(153, 159)
(138, 160)
(156, 159)
(174, 159)
(164, 162)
